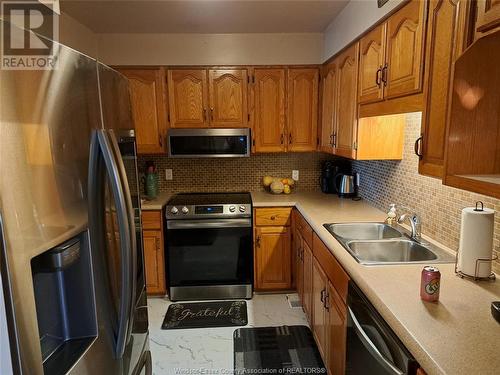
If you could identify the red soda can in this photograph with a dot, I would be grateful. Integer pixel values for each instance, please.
(429, 284)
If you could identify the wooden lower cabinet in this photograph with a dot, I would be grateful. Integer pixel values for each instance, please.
(322, 288)
(154, 252)
(154, 261)
(336, 332)
(308, 281)
(273, 248)
(319, 312)
(273, 258)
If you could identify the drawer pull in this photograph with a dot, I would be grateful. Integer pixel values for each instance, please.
(273, 217)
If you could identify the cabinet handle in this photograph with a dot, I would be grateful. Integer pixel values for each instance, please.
(211, 114)
(384, 74)
(334, 139)
(418, 147)
(273, 217)
(204, 114)
(322, 296)
(160, 140)
(378, 80)
(257, 241)
(326, 303)
(157, 244)
(281, 138)
(290, 138)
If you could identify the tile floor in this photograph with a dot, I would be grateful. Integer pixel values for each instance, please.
(210, 350)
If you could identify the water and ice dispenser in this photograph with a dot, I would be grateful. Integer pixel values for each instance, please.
(65, 303)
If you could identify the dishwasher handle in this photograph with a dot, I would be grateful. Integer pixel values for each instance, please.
(370, 346)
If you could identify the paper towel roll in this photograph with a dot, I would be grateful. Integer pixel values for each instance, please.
(476, 241)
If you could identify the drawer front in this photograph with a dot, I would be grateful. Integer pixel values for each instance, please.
(151, 219)
(271, 216)
(304, 228)
(333, 269)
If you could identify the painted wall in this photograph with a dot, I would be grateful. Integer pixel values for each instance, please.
(210, 49)
(357, 17)
(77, 36)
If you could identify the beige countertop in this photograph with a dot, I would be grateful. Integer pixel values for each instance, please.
(157, 203)
(458, 335)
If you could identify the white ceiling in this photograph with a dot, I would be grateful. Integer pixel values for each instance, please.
(204, 16)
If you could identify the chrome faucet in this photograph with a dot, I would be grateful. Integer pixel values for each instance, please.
(415, 224)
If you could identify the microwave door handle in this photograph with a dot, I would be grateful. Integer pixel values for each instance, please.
(370, 346)
(125, 243)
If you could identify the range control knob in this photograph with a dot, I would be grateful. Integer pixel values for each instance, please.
(242, 208)
(174, 210)
(232, 208)
(185, 210)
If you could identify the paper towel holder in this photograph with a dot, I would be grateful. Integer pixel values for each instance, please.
(479, 209)
(475, 277)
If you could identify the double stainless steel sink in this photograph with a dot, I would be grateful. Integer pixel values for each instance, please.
(379, 243)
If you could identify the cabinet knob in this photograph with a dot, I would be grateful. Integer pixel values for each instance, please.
(273, 217)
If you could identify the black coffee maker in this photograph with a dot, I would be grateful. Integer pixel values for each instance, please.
(329, 171)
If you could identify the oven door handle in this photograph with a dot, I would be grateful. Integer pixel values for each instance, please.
(370, 346)
(211, 224)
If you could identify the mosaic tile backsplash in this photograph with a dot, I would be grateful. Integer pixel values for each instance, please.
(235, 174)
(386, 182)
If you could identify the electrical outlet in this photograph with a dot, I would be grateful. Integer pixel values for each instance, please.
(295, 175)
(168, 174)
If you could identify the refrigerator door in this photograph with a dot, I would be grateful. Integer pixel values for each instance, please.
(46, 117)
(117, 119)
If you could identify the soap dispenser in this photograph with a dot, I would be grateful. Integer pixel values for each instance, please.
(391, 215)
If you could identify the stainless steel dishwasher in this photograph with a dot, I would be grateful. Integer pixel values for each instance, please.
(372, 347)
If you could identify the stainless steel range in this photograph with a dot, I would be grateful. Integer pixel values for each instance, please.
(209, 246)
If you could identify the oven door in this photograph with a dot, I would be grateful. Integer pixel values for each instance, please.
(209, 252)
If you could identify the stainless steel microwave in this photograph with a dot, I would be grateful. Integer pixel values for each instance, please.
(209, 143)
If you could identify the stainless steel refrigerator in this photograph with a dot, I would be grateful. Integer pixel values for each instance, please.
(71, 258)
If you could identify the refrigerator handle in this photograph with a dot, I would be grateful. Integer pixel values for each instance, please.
(100, 147)
(131, 220)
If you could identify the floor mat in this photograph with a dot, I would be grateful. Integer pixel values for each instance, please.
(284, 349)
(205, 315)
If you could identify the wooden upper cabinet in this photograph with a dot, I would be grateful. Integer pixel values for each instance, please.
(443, 37)
(328, 105)
(187, 96)
(405, 43)
(147, 96)
(371, 63)
(269, 110)
(228, 97)
(488, 15)
(302, 109)
(347, 116)
(273, 258)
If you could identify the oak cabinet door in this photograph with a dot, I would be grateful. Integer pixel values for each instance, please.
(371, 63)
(147, 96)
(187, 96)
(336, 332)
(308, 283)
(405, 29)
(319, 313)
(488, 15)
(228, 98)
(442, 36)
(302, 109)
(347, 115)
(273, 258)
(269, 110)
(328, 108)
(154, 261)
(299, 264)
